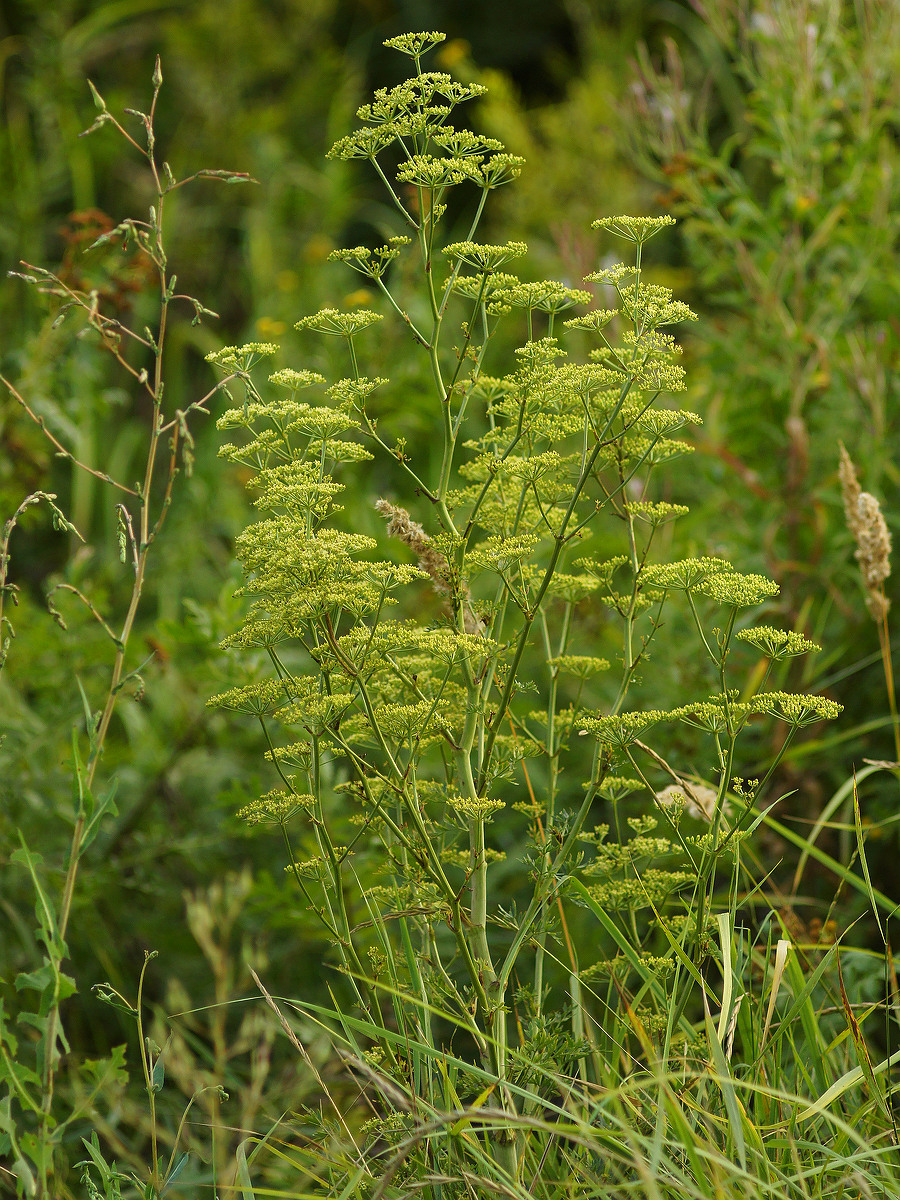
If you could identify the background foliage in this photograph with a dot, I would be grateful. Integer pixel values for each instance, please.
(769, 129)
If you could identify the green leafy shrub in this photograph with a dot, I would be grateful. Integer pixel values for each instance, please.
(784, 174)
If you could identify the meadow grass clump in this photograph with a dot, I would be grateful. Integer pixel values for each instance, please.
(558, 969)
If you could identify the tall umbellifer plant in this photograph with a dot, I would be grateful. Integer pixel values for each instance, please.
(413, 753)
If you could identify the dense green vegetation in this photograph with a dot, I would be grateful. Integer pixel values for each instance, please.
(608, 986)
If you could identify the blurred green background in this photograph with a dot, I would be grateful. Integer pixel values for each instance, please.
(770, 129)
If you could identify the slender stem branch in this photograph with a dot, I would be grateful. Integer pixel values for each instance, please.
(42, 425)
(884, 639)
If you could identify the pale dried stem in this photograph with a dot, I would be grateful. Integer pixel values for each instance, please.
(410, 532)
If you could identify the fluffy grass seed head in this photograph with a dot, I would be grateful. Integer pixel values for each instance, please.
(410, 532)
(866, 522)
(431, 561)
(874, 553)
(850, 489)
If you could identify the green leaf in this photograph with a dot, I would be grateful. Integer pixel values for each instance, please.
(39, 1021)
(862, 1050)
(21, 1076)
(38, 980)
(93, 1149)
(88, 714)
(25, 1181)
(576, 888)
(243, 1173)
(110, 1070)
(85, 799)
(108, 994)
(849, 1079)
(98, 99)
(842, 872)
(62, 986)
(105, 806)
(43, 909)
(733, 1106)
(174, 1173)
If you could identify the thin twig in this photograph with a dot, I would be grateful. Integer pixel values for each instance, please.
(303, 1052)
(197, 405)
(68, 587)
(42, 425)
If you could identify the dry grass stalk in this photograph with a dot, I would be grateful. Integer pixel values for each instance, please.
(410, 532)
(874, 553)
(850, 488)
